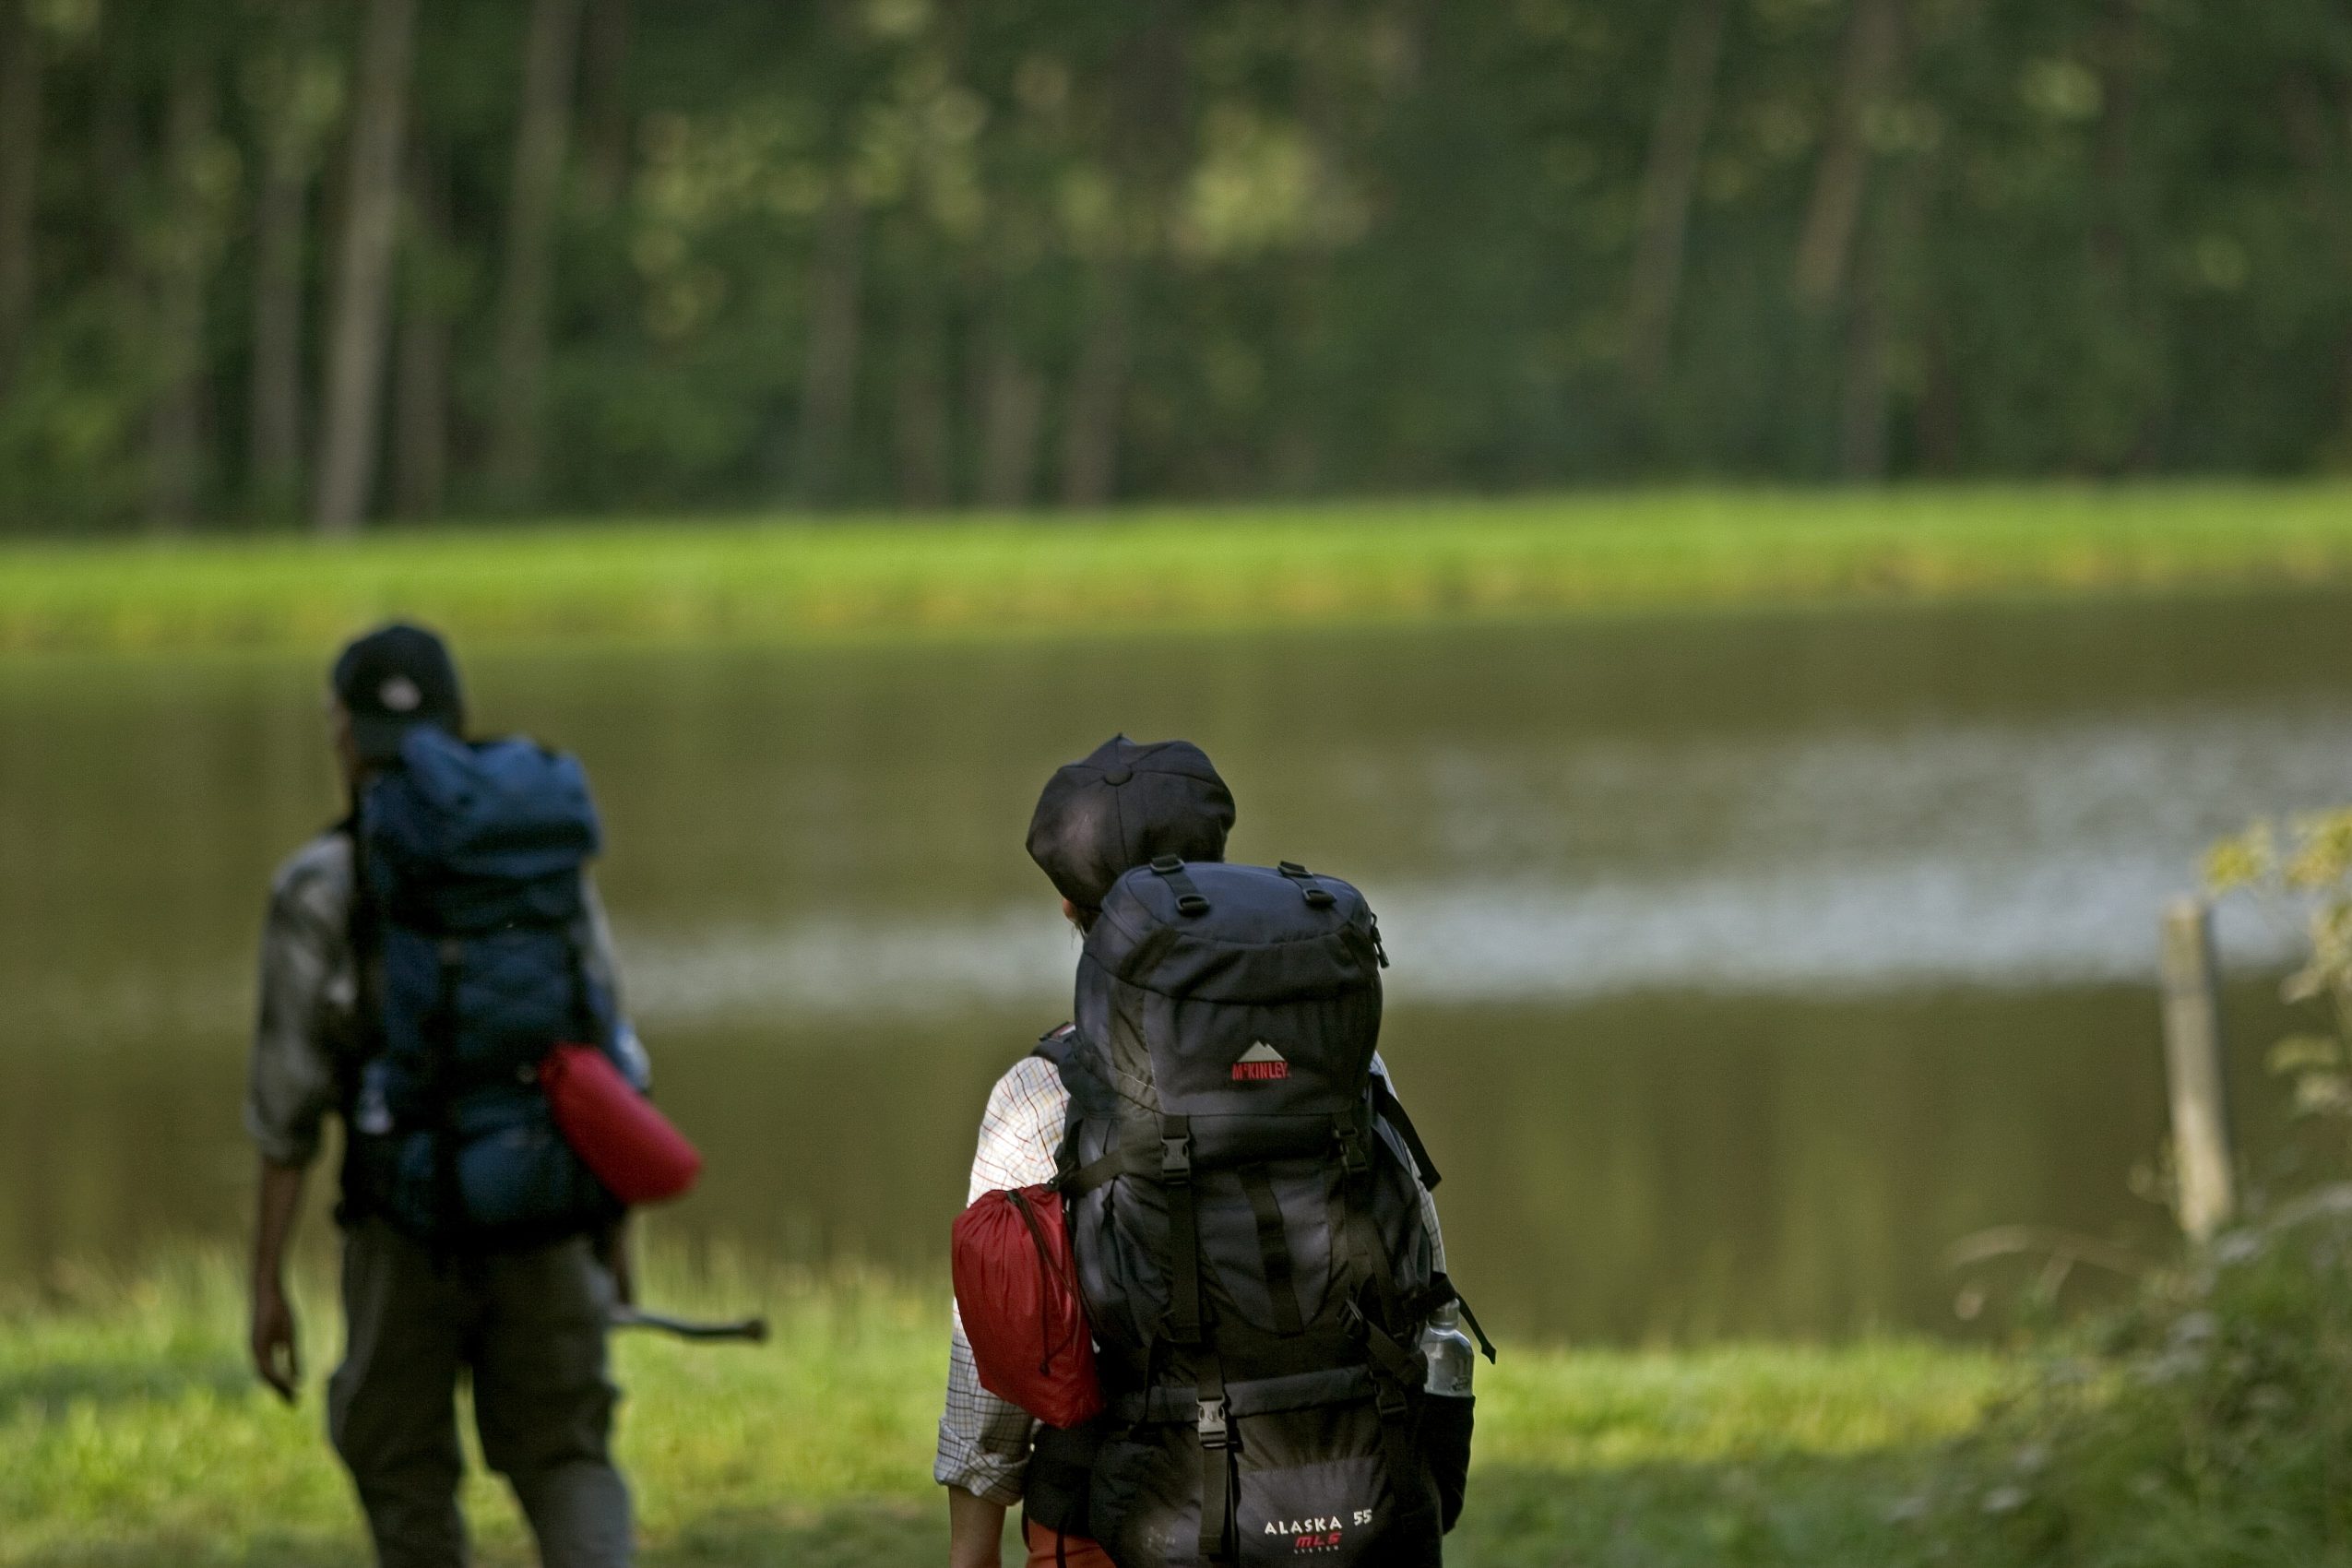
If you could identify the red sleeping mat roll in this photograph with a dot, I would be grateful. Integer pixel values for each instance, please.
(632, 1147)
(1016, 1287)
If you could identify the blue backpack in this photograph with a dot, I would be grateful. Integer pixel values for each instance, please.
(469, 894)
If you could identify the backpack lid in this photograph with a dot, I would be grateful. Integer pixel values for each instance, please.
(504, 810)
(1221, 932)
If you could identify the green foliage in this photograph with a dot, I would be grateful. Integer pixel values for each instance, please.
(1272, 248)
(1155, 569)
(2211, 1426)
(2206, 1427)
(2302, 870)
(130, 1434)
(2211, 1423)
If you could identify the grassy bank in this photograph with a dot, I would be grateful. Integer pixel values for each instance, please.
(1392, 561)
(130, 1434)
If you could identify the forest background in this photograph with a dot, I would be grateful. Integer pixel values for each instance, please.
(281, 262)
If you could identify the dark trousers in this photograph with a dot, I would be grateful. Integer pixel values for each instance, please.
(529, 1327)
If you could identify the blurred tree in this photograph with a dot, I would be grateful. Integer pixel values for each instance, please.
(182, 242)
(589, 254)
(432, 290)
(362, 317)
(1669, 183)
(293, 92)
(543, 132)
(20, 139)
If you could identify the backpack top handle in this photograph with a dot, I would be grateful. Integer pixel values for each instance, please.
(1189, 899)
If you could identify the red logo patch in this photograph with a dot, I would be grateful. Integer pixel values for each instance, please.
(1260, 1064)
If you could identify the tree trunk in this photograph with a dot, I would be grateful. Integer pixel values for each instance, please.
(2321, 135)
(1290, 451)
(420, 372)
(117, 154)
(829, 378)
(1148, 142)
(184, 263)
(274, 434)
(1012, 407)
(1825, 250)
(551, 58)
(922, 434)
(20, 135)
(1097, 399)
(364, 286)
(2113, 226)
(1887, 293)
(608, 128)
(1686, 101)
(1938, 429)
(1861, 434)
(2123, 218)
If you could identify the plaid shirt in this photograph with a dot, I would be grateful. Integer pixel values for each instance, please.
(984, 1441)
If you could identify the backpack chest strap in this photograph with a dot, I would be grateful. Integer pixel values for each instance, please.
(1211, 1147)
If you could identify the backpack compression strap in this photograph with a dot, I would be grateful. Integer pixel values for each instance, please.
(1386, 1107)
(1399, 1370)
(1440, 1291)
(441, 1045)
(1211, 1415)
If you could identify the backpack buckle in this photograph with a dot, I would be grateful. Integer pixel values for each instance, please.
(1209, 1422)
(1167, 865)
(1176, 1160)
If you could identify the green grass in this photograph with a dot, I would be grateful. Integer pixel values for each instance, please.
(790, 578)
(130, 1434)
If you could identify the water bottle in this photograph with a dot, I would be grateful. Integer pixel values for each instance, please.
(1451, 1356)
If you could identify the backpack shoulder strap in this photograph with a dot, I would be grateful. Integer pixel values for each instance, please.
(1059, 1045)
(363, 934)
(1386, 1106)
(1056, 1043)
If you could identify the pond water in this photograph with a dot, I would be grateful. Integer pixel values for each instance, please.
(1743, 962)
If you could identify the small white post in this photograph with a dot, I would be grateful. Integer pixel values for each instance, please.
(2192, 1063)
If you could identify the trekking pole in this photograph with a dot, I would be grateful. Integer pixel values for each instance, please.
(750, 1330)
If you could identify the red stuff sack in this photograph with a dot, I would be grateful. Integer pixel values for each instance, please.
(618, 1135)
(1016, 1286)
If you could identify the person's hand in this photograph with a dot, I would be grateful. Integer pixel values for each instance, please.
(276, 1354)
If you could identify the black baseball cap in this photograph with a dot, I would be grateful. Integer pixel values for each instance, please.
(393, 679)
(1124, 806)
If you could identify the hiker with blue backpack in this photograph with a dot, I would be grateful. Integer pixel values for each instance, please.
(1202, 1308)
(435, 971)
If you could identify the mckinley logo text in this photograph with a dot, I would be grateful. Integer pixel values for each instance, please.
(1260, 1064)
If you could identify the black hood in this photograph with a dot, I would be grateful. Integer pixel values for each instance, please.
(1123, 807)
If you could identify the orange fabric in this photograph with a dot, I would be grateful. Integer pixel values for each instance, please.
(1077, 1550)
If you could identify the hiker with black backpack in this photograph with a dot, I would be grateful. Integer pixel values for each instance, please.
(1200, 1237)
(423, 966)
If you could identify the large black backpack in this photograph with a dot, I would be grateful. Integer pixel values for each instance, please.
(1249, 1240)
